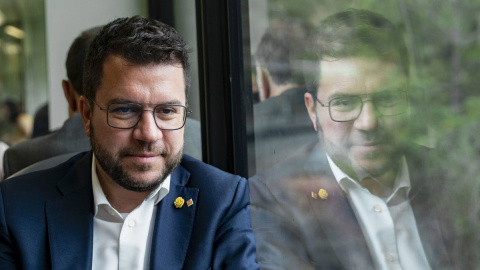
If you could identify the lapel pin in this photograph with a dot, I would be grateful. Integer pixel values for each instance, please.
(179, 202)
(189, 202)
(314, 195)
(322, 193)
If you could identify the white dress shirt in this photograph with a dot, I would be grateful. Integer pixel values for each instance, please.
(390, 229)
(123, 240)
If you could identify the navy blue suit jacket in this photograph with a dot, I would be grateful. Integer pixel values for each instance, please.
(46, 220)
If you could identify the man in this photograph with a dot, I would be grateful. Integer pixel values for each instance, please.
(71, 138)
(362, 197)
(133, 202)
(281, 123)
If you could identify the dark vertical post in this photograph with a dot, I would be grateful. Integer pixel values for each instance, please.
(222, 84)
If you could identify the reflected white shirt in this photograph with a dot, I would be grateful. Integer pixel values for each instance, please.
(123, 240)
(390, 230)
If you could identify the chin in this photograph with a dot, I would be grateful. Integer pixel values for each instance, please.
(374, 167)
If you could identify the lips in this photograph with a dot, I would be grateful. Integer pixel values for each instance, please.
(146, 155)
(145, 158)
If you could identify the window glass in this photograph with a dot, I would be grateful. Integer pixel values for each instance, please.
(22, 43)
(365, 134)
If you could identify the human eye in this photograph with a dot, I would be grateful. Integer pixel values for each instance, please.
(344, 103)
(388, 99)
(124, 110)
(167, 111)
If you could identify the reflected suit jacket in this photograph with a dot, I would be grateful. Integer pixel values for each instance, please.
(46, 219)
(293, 230)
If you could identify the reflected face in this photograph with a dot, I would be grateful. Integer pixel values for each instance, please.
(371, 143)
(140, 158)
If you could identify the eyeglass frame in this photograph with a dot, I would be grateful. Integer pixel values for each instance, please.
(107, 110)
(361, 108)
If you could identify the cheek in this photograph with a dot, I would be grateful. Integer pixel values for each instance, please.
(174, 139)
(397, 126)
(334, 132)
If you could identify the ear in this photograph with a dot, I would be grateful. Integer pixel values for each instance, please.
(310, 104)
(71, 97)
(264, 88)
(85, 110)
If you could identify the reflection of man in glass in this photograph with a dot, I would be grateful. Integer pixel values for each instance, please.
(359, 198)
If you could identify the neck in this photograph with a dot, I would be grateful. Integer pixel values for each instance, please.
(386, 178)
(279, 89)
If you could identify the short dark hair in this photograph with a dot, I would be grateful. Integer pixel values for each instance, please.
(138, 40)
(76, 58)
(355, 33)
(278, 51)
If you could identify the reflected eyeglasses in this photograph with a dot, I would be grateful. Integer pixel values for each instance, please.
(348, 108)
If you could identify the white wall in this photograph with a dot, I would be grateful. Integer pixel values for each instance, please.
(65, 20)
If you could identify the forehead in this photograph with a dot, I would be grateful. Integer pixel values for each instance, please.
(359, 76)
(143, 83)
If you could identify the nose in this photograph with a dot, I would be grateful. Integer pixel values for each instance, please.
(146, 130)
(368, 118)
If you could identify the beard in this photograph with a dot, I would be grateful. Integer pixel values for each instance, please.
(358, 167)
(113, 166)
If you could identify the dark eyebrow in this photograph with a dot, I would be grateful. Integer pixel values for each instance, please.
(122, 100)
(341, 95)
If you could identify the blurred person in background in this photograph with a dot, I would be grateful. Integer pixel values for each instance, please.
(41, 122)
(16, 126)
(70, 137)
(281, 123)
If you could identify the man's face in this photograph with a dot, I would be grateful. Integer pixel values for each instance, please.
(139, 158)
(371, 143)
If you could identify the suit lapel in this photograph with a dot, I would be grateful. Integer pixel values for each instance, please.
(421, 198)
(334, 215)
(173, 226)
(70, 219)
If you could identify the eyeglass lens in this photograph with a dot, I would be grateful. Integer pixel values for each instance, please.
(348, 108)
(127, 115)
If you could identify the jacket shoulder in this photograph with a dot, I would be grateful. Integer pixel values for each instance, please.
(206, 174)
(39, 182)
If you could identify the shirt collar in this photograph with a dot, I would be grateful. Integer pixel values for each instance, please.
(99, 196)
(402, 179)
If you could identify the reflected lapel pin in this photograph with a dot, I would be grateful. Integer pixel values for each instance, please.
(179, 202)
(322, 193)
(314, 195)
(189, 202)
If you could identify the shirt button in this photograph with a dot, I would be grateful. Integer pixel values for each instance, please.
(131, 223)
(390, 258)
(377, 208)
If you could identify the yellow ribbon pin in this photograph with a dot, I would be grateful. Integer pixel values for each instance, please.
(322, 193)
(179, 202)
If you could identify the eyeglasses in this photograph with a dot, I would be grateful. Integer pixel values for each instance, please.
(348, 108)
(127, 115)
